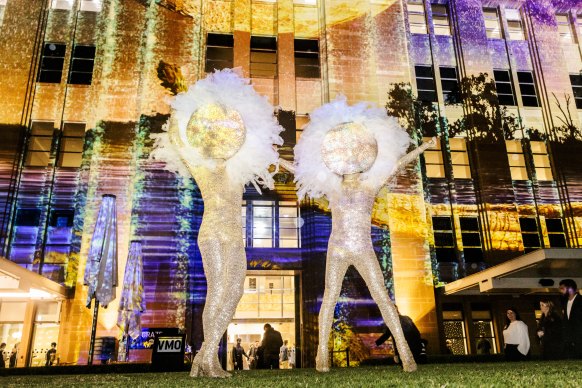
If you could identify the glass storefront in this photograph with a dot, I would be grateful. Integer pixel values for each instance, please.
(11, 326)
(46, 331)
(268, 298)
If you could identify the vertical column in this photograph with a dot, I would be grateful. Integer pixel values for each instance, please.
(286, 55)
(242, 35)
(27, 333)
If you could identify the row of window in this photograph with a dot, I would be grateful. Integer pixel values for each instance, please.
(42, 140)
(444, 237)
(263, 55)
(456, 332)
(53, 61)
(426, 86)
(86, 5)
(515, 31)
(434, 160)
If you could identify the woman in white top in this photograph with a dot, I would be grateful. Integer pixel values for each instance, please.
(515, 336)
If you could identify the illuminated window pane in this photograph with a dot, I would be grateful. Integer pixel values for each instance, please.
(262, 212)
(416, 17)
(433, 157)
(518, 173)
(516, 160)
(62, 4)
(460, 158)
(514, 24)
(440, 17)
(457, 144)
(538, 147)
(435, 171)
(91, 5)
(565, 28)
(262, 243)
(544, 174)
(541, 160)
(461, 172)
(492, 24)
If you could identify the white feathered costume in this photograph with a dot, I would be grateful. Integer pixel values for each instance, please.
(315, 179)
(225, 87)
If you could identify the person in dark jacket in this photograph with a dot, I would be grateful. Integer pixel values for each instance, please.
(272, 342)
(254, 356)
(550, 331)
(572, 313)
(2, 348)
(237, 355)
(416, 344)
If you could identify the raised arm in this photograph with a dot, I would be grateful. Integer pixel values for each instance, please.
(412, 155)
(287, 165)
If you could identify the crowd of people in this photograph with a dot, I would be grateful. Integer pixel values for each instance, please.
(559, 330)
(271, 353)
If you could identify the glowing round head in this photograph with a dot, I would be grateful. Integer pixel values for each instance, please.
(349, 148)
(216, 131)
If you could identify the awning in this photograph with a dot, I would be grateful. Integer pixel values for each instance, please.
(536, 272)
(17, 282)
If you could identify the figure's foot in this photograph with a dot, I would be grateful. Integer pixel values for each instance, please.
(409, 366)
(216, 369)
(196, 370)
(321, 363)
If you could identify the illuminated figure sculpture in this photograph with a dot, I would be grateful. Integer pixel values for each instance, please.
(223, 132)
(347, 153)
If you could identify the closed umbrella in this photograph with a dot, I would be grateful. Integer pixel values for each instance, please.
(101, 270)
(132, 302)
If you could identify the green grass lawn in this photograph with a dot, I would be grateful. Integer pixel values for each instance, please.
(498, 374)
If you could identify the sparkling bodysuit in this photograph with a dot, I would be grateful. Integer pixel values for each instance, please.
(351, 244)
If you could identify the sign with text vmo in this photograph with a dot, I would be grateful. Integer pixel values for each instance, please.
(168, 349)
(170, 345)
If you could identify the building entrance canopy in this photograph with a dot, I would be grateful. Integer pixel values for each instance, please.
(536, 272)
(17, 282)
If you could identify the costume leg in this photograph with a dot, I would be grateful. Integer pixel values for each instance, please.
(231, 283)
(335, 270)
(213, 260)
(368, 267)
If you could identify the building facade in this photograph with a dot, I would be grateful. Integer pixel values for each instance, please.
(86, 82)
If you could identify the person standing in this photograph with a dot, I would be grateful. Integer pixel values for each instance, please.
(51, 354)
(2, 348)
(284, 356)
(572, 312)
(13, 356)
(272, 342)
(550, 331)
(254, 355)
(237, 355)
(515, 336)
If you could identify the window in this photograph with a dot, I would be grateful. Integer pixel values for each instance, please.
(555, 228)
(459, 158)
(472, 248)
(289, 224)
(219, 52)
(91, 5)
(2, 9)
(514, 24)
(272, 224)
(425, 83)
(62, 4)
(440, 18)
(39, 144)
(267, 297)
(72, 142)
(450, 85)
(454, 329)
(529, 233)
(307, 58)
(483, 329)
(27, 217)
(416, 17)
(492, 24)
(565, 28)
(444, 239)
(81, 72)
(527, 88)
(576, 81)
(51, 63)
(541, 161)
(301, 122)
(516, 160)
(433, 160)
(262, 232)
(503, 87)
(263, 57)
